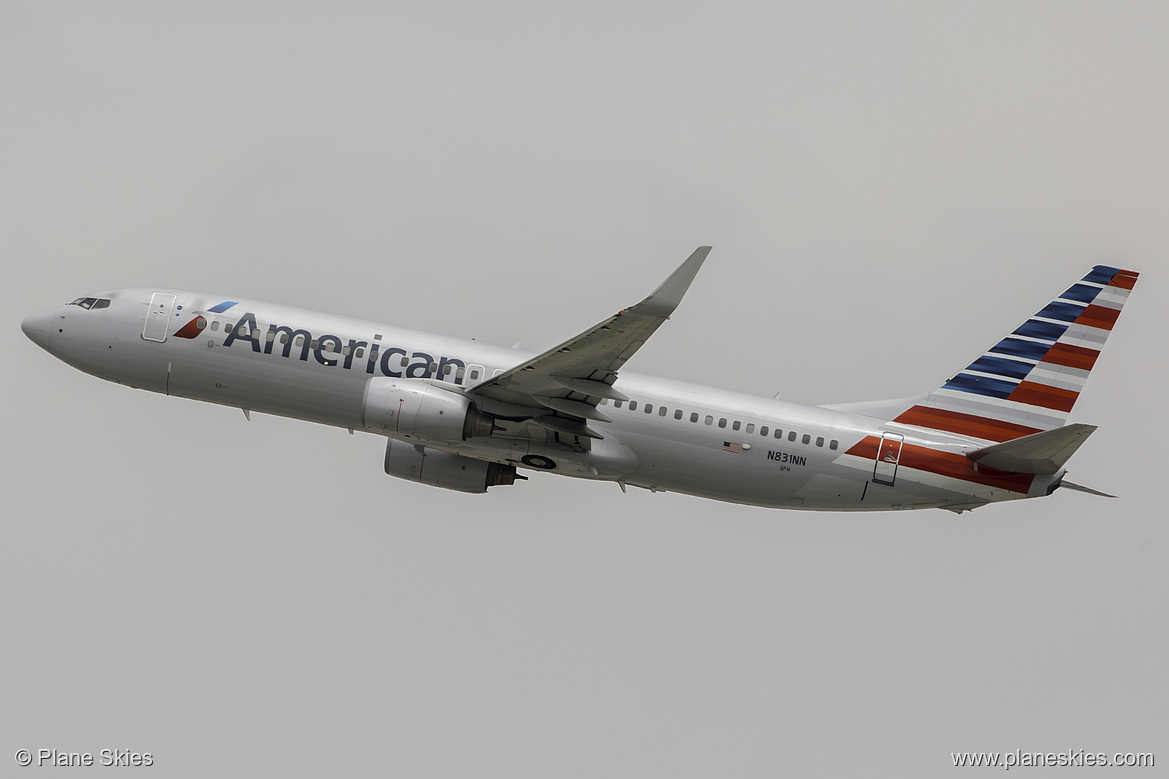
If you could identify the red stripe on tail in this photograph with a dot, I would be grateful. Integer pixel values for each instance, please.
(1044, 395)
(964, 424)
(1071, 356)
(1125, 279)
(1098, 316)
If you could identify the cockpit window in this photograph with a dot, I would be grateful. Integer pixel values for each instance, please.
(88, 303)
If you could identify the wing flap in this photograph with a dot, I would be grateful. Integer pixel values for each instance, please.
(566, 426)
(589, 387)
(575, 408)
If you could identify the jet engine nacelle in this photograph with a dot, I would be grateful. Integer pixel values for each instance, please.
(415, 410)
(443, 469)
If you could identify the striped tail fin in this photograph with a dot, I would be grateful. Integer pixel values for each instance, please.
(1029, 381)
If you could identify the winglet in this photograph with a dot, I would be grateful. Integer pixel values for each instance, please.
(666, 298)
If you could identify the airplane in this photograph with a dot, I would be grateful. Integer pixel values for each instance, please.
(467, 416)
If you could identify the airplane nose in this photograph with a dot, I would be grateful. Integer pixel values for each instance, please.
(37, 327)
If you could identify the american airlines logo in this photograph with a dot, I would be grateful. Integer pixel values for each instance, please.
(331, 350)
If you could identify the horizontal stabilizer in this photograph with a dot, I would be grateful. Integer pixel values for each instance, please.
(1082, 488)
(1043, 453)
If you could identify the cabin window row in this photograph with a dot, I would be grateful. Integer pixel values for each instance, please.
(750, 427)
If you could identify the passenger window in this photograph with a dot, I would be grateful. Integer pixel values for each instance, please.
(791, 436)
(833, 444)
(722, 422)
(735, 425)
(709, 419)
(271, 336)
(633, 405)
(215, 325)
(779, 434)
(693, 416)
(433, 367)
(763, 431)
(649, 409)
(312, 344)
(460, 373)
(405, 361)
(678, 414)
(661, 411)
(283, 338)
(618, 403)
(604, 402)
(300, 340)
(807, 439)
(820, 441)
(360, 352)
(474, 374)
(750, 427)
(446, 369)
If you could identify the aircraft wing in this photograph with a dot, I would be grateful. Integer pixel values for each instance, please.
(562, 387)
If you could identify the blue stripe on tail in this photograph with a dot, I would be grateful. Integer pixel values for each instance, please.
(1048, 331)
(1017, 347)
(980, 385)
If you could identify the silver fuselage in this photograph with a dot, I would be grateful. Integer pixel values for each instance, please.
(315, 366)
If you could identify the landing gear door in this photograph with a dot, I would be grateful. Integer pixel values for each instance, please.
(888, 455)
(158, 316)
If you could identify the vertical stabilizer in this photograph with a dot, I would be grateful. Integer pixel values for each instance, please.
(1029, 381)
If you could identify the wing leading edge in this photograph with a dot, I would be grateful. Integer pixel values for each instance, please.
(560, 389)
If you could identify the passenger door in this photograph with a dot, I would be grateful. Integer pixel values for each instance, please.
(888, 455)
(158, 317)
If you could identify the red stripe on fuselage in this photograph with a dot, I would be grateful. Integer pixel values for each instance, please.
(953, 465)
(964, 424)
(191, 329)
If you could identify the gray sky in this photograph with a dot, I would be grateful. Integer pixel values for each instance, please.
(888, 190)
